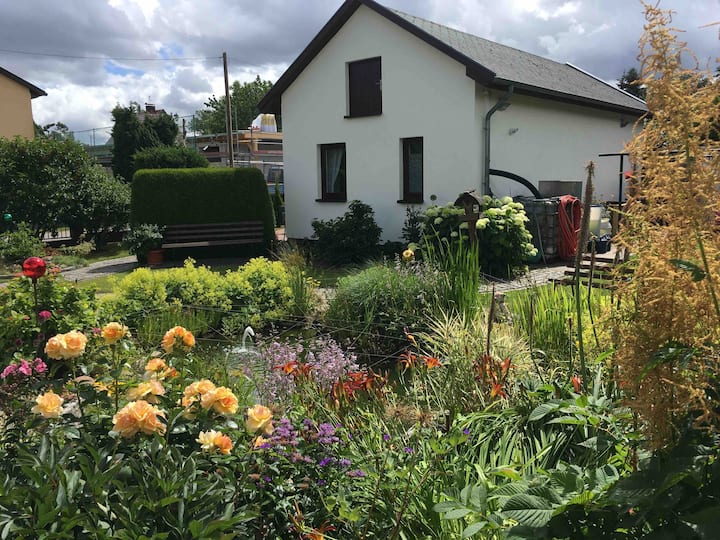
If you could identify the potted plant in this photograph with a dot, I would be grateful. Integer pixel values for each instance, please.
(144, 241)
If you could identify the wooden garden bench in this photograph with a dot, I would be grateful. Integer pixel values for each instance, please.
(213, 234)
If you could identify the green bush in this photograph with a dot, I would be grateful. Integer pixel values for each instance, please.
(18, 245)
(66, 307)
(54, 183)
(169, 157)
(105, 207)
(352, 238)
(188, 196)
(259, 291)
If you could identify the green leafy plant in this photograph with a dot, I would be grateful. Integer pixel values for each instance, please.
(142, 239)
(352, 238)
(18, 245)
(503, 240)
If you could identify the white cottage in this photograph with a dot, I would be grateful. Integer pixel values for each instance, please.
(396, 110)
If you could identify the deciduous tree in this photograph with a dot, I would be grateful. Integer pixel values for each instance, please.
(243, 101)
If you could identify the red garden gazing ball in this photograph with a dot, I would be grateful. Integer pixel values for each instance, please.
(34, 268)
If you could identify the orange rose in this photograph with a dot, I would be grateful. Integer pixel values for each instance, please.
(198, 388)
(221, 400)
(259, 418)
(155, 365)
(177, 336)
(212, 440)
(147, 390)
(55, 347)
(188, 340)
(74, 344)
(49, 405)
(138, 416)
(114, 332)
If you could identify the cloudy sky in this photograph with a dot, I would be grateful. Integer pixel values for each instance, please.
(86, 53)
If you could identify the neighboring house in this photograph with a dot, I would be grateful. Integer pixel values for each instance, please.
(15, 109)
(394, 110)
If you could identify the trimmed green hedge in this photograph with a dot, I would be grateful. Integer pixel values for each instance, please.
(180, 196)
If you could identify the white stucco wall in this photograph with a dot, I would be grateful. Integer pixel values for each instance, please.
(425, 94)
(555, 141)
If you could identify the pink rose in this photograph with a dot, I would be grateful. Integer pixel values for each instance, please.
(39, 366)
(25, 368)
(44, 315)
(9, 370)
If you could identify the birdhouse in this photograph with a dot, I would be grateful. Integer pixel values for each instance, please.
(471, 202)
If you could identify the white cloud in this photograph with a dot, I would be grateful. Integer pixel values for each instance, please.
(264, 37)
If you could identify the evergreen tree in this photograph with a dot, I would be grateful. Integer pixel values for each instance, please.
(629, 81)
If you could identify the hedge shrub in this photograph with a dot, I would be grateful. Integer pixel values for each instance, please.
(186, 196)
(169, 157)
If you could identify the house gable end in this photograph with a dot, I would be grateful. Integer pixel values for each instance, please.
(271, 102)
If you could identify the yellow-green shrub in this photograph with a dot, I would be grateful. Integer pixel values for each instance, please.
(259, 290)
(255, 293)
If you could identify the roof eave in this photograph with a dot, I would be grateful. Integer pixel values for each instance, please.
(271, 101)
(545, 93)
(34, 90)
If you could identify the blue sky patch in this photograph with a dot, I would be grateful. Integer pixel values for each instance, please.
(117, 69)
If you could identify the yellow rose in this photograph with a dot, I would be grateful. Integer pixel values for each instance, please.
(114, 332)
(221, 400)
(55, 347)
(408, 255)
(138, 416)
(49, 405)
(198, 388)
(259, 418)
(74, 344)
(147, 390)
(212, 440)
(177, 335)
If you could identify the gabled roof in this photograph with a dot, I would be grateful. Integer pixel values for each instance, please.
(487, 62)
(34, 90)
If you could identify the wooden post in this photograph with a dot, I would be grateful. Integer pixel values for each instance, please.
(228, 120)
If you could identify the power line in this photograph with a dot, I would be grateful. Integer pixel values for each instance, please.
(179, 59)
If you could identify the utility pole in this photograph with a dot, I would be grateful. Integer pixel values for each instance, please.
(228, 121)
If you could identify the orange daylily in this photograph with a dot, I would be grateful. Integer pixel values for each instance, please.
(408, 360)
(497, 390)
(432, 362)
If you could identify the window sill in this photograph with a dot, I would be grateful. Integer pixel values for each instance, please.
(414, 200)
(343, 200)
(351, 116)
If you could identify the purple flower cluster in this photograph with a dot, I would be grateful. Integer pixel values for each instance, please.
(326, 359)
(284, 434)
(24, 369)
(329, 362)
(274, 385)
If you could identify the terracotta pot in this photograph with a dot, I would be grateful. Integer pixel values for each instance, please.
(155, 257)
